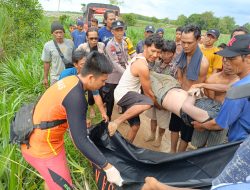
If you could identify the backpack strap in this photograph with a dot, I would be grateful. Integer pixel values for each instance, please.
(236, 92)
(49, 124)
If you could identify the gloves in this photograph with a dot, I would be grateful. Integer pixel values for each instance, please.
(113, 176)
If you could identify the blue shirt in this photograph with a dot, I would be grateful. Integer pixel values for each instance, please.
(235, 115)
(104, 35)
(73, 71)
(139, 46)
(78, 37)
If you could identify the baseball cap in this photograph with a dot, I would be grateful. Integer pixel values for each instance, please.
(56, 26)
(117, 24)
(150, 28)
(160, 30)
(238, 45)
(215, 33)
(79, 23)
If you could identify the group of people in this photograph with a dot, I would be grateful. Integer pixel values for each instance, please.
(180, 85)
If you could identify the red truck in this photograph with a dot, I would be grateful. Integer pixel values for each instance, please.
(97, 10)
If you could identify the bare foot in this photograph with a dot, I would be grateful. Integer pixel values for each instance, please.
(151, 137)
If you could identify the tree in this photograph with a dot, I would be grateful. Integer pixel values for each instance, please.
(226, 24)
(129, 19)
(181, 20)
(247, 25)
(116, 2)
(154, 19)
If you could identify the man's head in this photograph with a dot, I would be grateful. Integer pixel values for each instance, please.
(79, 25)
(211, 37)
(160, 32)
(178, 32)
(152, 47)
(109, 18)
(241, 30)
(58, 31)
(95, 71)
(92, 36)
(72, 27)
(189, 38)
(237, 53)
(118, 29)
(94, 22)
(149, 30)
(168, 51)
(79, 59)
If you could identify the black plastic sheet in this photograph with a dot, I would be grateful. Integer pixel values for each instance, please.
(193, 169)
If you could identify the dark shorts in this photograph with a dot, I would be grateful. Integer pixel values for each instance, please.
(177, 125)
(133, 98)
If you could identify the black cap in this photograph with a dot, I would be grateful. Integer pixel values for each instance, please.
(215, 33)
(56, 26)
(150, 28)
(117, 24)
(238, 45)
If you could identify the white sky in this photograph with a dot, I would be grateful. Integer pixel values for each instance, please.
(239, 9)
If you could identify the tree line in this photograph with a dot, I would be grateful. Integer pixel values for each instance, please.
(205, 21)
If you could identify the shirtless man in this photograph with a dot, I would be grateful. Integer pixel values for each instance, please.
(127, 93)
(190, 38)
(215, 88)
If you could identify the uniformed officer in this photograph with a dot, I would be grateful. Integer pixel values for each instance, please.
(117, 52)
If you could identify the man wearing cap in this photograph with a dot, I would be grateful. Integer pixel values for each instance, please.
(160, 31)
(235, 111)
(149, 30)
(208, 49)
(117, 52)
(52, 60)
(78, 35)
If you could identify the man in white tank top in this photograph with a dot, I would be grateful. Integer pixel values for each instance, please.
(127, 93)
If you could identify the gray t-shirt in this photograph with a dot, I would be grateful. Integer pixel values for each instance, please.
(51, 55)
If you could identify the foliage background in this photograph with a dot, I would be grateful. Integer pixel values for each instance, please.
(23, 31)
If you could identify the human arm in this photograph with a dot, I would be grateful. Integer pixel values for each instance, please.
(75, 105)
(209, 125)
(46, 67)
(99, 103)
(179, 75)
(203, 69)
(140, 68)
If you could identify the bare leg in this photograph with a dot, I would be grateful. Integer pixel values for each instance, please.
(174, 141)
(153, 127)
(131, 112)
(182, 146)
(159, 138)
(177, 99)
(196, 113)
(132, 133)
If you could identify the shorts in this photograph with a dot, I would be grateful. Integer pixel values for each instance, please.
(177, 125)
(209, 138)
(133, 98)
(211, 106)
(162, 117)
(54, 170)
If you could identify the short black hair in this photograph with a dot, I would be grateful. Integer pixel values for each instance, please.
(78, 55)
(222, 45)
(92, 29)
(105, 16)
(154, 39)
(179, 29)
(94, 20)
(192, 28)
(169, 46)
(240, 29)
(96, 64)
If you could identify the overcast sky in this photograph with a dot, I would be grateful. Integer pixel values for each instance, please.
(239, 9)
